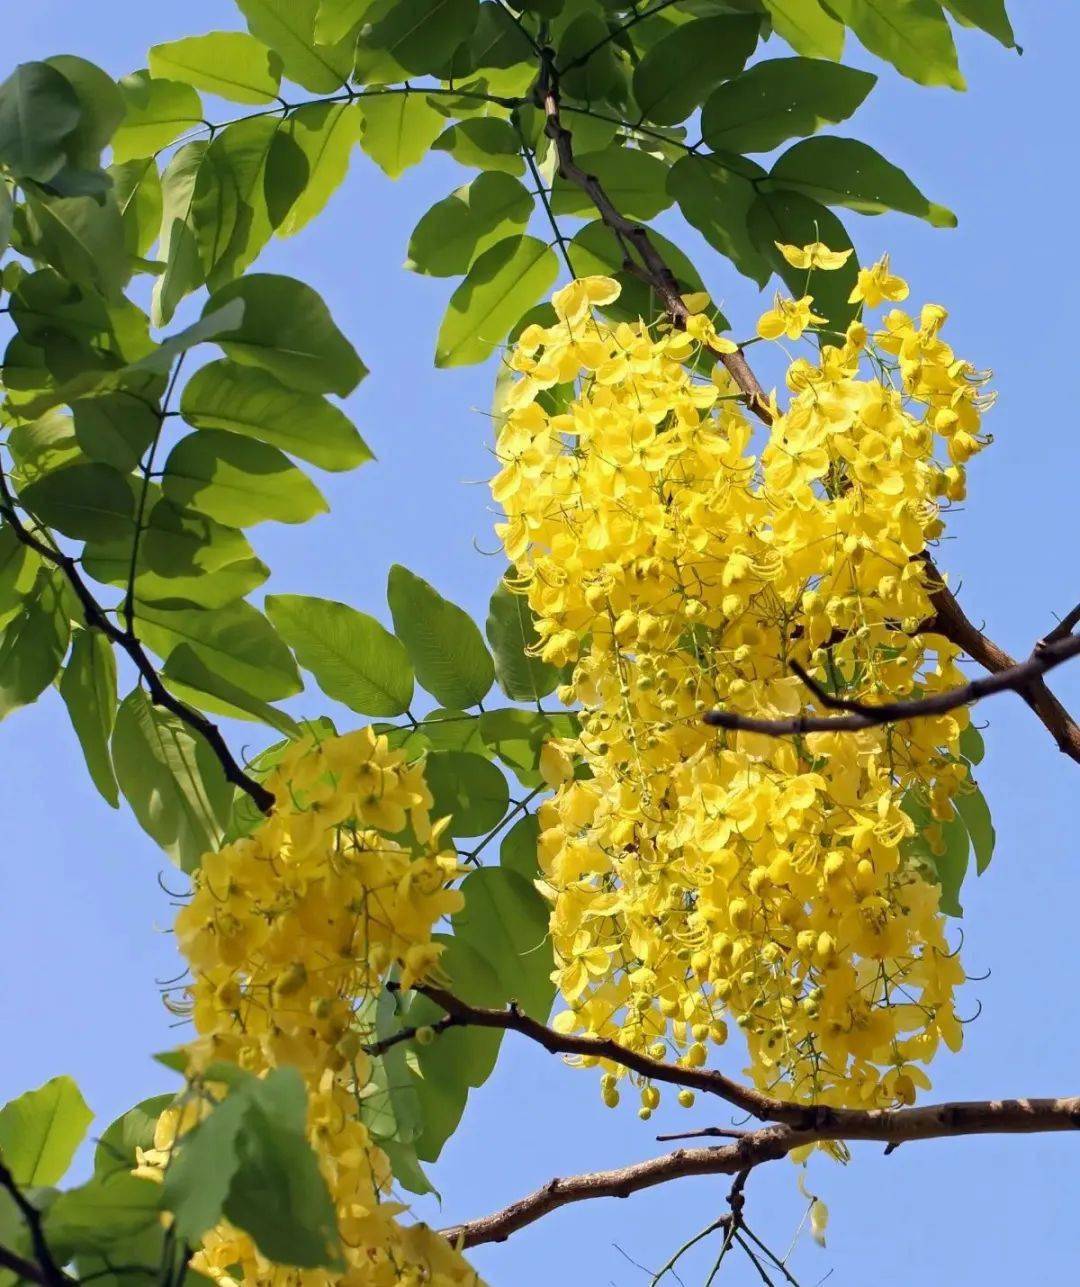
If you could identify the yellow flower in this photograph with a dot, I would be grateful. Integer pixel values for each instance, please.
(877, 284)
(697, 876)
(575, 301)
(815, 255)
(788, 317)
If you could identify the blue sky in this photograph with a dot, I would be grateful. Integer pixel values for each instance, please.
(82, 916)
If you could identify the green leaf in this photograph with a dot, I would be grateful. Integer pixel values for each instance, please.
(517, 738)
(323, 136)
(948, 867)
(41, 446)
(972, 746)
(101, 109)
(460, 1058)
(82, 238)
(913, 35)
(230, 64)
(587, 41)
(507, 920)
(288, 331)
(137, 188)
(336, 18)
(132, 1130)
(182, 557)
(988, 15)
(975, 812)
(191, 192)
(522, 676)
(88, 502)
(795, 220)
(32, 646)
(413, 36)
(486, 142)
(238, 481)
(845, 172)
(468, 789)
(246, 400)
(19, 566)
(198, 684)
(354, 659)
(679, 70)
(807, 28)
(504, 282)
(717, 201)
(446, 649)
(237, 643)
(398, 129)
(107, 1208)
(288, 27)
(278, 1194)
(40, 1131)
(518, 851)
(157, 113)
(39, 110)
(463, 225)
(405, 1167)
(115, 429)
(172, 780)
(198, 1179)
(7, 216)
(635, 181)
(255, 158)
(781, 99)
(89, 692)
(452, 730)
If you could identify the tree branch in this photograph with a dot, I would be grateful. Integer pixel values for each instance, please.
(25, 1269)
(951, 622)
(935, 1121)
(97, 619)
(632, 235)
(48, 1272)
(860, 715)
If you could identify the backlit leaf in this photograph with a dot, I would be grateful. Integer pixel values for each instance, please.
(354, 659)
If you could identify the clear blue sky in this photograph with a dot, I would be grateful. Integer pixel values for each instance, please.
(81, 913)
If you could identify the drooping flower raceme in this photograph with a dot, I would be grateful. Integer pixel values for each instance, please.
(698, 876)
(290, 934)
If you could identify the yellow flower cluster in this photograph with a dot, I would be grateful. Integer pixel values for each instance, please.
(698, 875)
(289, 936)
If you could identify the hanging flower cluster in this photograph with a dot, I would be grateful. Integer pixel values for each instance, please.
(699, 876)
(289, 935)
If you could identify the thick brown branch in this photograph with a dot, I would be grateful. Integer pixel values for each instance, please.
(97, 619)
(1015, 678)
(936, 1121)
(951, 622)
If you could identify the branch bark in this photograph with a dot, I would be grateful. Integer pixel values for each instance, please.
(97, 619)
(935, 1121)
(1015, 678)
